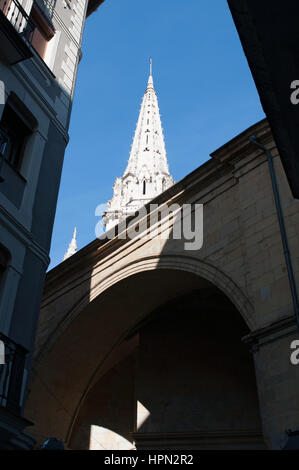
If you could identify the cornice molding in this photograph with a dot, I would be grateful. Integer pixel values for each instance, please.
(270, 333)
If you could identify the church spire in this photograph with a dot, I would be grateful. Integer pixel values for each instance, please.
(72, 249)
(147, 173)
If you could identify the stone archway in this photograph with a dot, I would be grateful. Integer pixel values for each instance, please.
(72, 363)
(207, 399)
(171, 261)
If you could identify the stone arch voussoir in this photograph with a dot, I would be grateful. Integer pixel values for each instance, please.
(201, 268)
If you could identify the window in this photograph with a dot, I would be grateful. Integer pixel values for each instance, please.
(43, 31)
(4, 259)
(16, 124)
(144, 187)
(13, 137)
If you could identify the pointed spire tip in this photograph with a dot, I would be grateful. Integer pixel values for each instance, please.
(72, 249)
(150, 82)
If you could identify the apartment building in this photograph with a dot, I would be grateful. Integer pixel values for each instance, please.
(40, 49)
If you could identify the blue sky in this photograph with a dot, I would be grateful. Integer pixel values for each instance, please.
(205, 90)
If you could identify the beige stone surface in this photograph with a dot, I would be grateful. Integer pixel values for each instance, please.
(96, 298)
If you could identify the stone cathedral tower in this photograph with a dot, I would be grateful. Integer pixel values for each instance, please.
(147, 173)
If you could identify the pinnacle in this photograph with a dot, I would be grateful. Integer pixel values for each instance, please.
(72, 249)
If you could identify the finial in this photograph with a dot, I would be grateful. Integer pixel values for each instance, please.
(72, 249)
(150, 83)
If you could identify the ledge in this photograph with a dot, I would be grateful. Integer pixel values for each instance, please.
(281, 328)
(214, 439)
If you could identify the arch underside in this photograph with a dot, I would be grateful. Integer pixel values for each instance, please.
(181, 379)
(94, 335)
(172, 261)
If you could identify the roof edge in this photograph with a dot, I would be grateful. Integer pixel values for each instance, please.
(93, 5)
(240, 144)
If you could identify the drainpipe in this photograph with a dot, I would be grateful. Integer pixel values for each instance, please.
(281, 226)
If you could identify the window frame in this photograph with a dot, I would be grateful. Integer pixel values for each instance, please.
(43, 28)
(15, 111)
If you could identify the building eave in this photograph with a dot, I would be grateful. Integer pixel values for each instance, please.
(93, 5)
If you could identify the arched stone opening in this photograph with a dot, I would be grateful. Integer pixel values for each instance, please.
(182, 379)
(95, 341)
(172, 262)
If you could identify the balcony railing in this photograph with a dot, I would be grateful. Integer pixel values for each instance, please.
(12, 374)
(18, 17)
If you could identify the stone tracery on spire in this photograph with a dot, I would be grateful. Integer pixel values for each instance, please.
(147, 173)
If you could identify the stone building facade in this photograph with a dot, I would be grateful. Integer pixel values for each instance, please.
(144, 344)
(40, 49)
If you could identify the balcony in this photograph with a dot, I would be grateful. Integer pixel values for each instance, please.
(17, 16)
(16, 32)
(12, 374)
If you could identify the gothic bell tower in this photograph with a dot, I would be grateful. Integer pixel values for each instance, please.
(147, 173)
